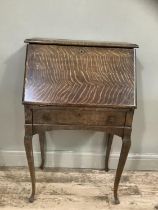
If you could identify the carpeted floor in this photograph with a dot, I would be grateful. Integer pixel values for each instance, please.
(67, 189)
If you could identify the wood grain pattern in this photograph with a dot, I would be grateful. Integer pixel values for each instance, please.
(80, 43)
(59, 75)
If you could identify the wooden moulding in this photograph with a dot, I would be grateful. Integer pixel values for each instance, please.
(80, 43)
(109, 129)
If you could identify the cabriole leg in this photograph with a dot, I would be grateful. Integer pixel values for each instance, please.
(42, 141)
(126, 143)
(109, 140)
(30, 159)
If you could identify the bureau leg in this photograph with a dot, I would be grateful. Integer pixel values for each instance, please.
(126, 143)
(109, 140)
(42, 141)
(30, 159)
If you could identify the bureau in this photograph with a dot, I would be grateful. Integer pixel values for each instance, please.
(79, 85)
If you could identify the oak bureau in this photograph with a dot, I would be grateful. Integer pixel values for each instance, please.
(79, 85)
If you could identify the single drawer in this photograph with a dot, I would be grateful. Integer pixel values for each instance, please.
(79, 117)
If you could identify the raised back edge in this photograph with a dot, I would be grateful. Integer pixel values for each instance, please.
(80, 43)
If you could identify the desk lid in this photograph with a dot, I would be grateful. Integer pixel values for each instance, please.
(80, 43)
(79, 76)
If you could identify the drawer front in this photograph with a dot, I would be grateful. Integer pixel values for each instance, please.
(77, 117)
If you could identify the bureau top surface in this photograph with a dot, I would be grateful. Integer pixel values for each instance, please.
(80, 43)
(79, 75)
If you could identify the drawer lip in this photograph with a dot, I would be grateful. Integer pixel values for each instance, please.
(78, 117)
(104, 106)
(67, 107)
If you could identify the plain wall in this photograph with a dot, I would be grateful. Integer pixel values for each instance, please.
(133, 21)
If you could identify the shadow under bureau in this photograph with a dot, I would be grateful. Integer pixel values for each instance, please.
(79, 85)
